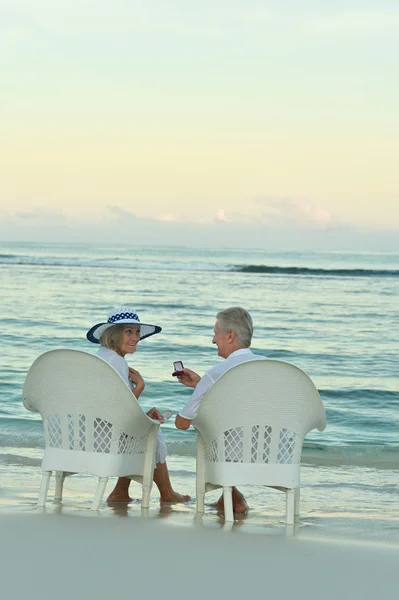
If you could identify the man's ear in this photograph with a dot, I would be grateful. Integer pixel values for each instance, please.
(232, 336)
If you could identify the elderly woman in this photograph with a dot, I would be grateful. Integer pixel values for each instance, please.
(119, 336)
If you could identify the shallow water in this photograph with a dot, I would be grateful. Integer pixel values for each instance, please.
(334, 315)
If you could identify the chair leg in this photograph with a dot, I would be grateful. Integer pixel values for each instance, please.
(148, 469)
(290, 506)
(200, 502)
(200, 476)
(145, 499)
(228, 503)
(101, 485)
(297, 501)
(200, 492)
(59, 485)
(44, 484)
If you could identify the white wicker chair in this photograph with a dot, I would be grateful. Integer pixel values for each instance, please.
(92, 423)
(250, 430)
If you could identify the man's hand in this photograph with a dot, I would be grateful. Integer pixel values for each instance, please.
(188, 377)
(153, 413)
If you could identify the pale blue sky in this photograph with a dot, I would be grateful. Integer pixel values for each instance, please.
(280, 114)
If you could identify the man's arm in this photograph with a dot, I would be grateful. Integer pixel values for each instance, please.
(190, 379)
(189, 412)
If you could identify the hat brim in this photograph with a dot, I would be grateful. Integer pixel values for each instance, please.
(146, 330)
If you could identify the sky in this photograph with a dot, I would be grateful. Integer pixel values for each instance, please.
(266, 123)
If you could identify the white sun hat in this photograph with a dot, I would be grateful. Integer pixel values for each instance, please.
(118, 316)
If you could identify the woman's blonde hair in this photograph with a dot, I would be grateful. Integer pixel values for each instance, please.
(237, 319)
(112, 337)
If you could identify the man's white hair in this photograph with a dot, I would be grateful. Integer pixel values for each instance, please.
(237, 319)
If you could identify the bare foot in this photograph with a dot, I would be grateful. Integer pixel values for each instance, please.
(219, 505)
(173, 496)
(240, 505)
(120, 493)
(116, 496)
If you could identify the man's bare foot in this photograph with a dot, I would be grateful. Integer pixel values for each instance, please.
(116, 496)
(120, 493)
(240, 505)
(219, 505)
(173, 496)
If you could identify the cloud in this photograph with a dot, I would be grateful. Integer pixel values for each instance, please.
(277, 212)
(221, 216)
(40, 215)
(75, 18)
(364, 21)
(277, 229)
(167, 217)
(120, 212)
(293, 213)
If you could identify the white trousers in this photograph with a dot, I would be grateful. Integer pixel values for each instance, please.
(161, 451)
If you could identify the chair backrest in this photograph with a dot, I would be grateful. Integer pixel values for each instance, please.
(259, 412)
(85, 405)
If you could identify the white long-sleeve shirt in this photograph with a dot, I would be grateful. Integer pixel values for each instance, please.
(207, 381)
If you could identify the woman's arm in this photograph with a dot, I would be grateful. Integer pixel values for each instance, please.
(138, 381)
(182, 423)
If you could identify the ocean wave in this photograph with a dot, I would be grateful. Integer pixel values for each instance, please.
(276, 270)
(362, 398)
(108, 263)
(371, 456)
(117, 262)
(356, 455)
(18, 259)
(21, 433)
(374, 456)
(19, 460)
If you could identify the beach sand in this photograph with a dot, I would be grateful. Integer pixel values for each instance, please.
(67, 551)
(66, 556)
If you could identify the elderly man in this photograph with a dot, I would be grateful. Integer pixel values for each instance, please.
(232, 336)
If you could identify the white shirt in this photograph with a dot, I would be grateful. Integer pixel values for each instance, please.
(120, 365)
(206, 382)
(117, 362)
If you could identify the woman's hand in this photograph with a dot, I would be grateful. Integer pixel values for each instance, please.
(188, 377)
(153, 413)
(138, 381)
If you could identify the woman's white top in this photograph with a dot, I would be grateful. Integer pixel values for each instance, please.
(120, 365)
(117, 362)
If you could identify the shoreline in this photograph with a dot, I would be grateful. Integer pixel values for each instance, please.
(334, 504)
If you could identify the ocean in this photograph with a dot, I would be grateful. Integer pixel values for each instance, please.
(334, 315)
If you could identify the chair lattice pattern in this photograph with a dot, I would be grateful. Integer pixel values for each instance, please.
(131, 445)
(267, 440)
(234, 445)
(54, 431)
(102, 436)
(286, 446)
(254, 443)
(82, 432)
(211, 451)
(71, 432)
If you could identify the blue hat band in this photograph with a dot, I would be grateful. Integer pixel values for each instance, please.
(121, 316)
